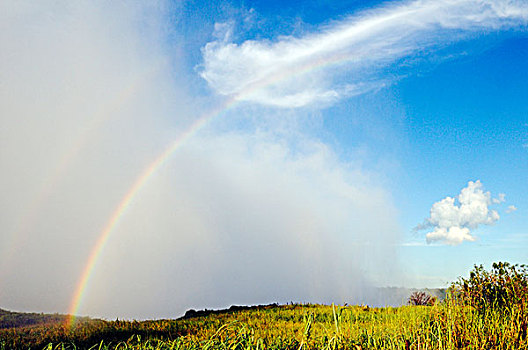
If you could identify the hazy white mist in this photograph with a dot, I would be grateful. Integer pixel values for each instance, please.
(90, 93)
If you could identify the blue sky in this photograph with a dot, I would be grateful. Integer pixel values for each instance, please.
(352, 144)
(456, 112)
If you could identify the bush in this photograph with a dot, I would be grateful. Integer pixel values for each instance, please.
(505, 286)
(421, 298)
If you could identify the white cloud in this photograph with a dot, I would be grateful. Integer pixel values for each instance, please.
(342, 58)
(452, 235)
(511, 209)
(500, 199)
(452, 219)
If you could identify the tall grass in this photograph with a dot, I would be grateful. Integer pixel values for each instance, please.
(468, 319)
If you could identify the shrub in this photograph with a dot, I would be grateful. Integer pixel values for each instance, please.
(421, 298)
(505, 286)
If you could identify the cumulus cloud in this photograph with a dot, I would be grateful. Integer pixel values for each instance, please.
(341, 59)
(511, 209)
(452, 219)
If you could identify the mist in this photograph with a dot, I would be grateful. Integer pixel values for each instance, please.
(90, 94)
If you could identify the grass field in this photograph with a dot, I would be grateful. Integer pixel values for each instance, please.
(486, 311)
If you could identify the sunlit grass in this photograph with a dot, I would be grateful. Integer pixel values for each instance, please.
(442, 326)
(462, 321)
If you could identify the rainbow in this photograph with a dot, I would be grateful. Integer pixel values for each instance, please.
(161, 159)
(121, 209)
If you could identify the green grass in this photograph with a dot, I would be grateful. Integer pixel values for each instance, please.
(487, 311)
(443, 326)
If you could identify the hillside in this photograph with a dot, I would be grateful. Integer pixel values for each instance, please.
(449, 324)
(388, 296)
(10, 319)
(286, 327)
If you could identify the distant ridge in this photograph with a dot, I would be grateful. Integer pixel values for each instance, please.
(380, 297)
(11, 319)
(191, 313)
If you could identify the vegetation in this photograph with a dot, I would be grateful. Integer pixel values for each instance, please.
(421, 298)
(10, 319)
(485, 311)
(505, 286)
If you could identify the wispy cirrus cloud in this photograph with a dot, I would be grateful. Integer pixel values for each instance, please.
(345, 57)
